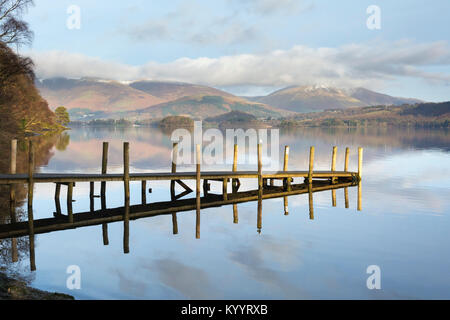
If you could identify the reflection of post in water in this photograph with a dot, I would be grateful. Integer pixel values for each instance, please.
(235, 214)
(12, 198)
(347, 155)
(172, 187)
(126, 180)
(198, 176)
(333, 198)
(260, 188)
(103, 191)
(30, 204)
(360, 160)
(310, 181)
(70, 201)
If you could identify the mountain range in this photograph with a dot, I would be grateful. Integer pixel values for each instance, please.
(90, 98)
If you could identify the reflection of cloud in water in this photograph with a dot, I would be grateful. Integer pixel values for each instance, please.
(252, 260)
(190, 282)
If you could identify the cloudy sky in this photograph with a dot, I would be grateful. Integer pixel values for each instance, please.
(249, 47)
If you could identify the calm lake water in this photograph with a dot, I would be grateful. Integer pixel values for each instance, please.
(403, 227)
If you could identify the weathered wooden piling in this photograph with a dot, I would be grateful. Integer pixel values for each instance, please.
(70, 201)
(225, 189)
(360, 162)
(144, 192)
(104, 171)
(333, 164)
(92, 196)
(347, 205)
(172, 186)
(12, 199)
(287, 181)
(235, 161)
(311, 165)
(30, 204)
(126, 182)
(197, 190)
(311, 203)
(12, 170)
(333, 198)
(260, 179)
(347, 156)
(286, 206)
(359, 197)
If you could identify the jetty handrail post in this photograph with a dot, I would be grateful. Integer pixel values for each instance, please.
(126, 181)
(333, 164)
(311, 165)
(360, 163)
(30, 204)
(285, 168)
(197, 190)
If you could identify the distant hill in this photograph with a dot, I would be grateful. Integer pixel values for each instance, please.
(372, 98)
(318, 98)
(89, 99)
(233, 116)
(431, 115)
(94, 95)
(170, 91)
(204, 106)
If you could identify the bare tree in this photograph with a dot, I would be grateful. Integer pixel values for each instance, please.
(12, 65)
(13, 30)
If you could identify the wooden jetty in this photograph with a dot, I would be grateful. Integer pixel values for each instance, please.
(313, 181)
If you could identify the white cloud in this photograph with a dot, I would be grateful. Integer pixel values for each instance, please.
(346, 66)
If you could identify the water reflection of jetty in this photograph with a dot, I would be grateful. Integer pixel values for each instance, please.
(314, 181)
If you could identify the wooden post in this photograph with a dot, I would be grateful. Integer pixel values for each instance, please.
(103, 191)
(57, 199)
(285, 168)
(30, 204)
(333, 197)
(225, 189)
(91, 196)
(144, 192)
(126, 181)
(347, 155)
(359, 197)
(12, 199)
(12, 169)
(333, 164)
(259, 222)
(198, 176)
(104, 171)
(70, 201)
(286, 206)
(311, 203)
(235, 214)
(235, 160)
(311, 165)
(174, 223)
(360, 162)
(260, 179)
(172, 186)
(347, 205)
(174, 167)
